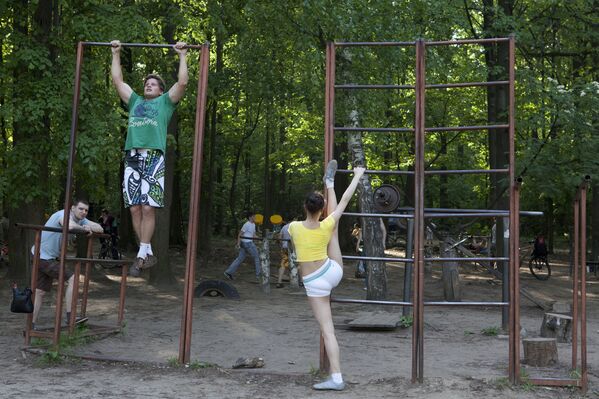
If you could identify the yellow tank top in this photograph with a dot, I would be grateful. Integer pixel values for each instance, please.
(311, 244)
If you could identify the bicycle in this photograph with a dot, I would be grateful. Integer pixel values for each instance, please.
(109, 248)
(537, 264)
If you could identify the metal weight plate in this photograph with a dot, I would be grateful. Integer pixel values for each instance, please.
(386, 198)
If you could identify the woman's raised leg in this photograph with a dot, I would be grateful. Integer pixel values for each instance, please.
(333, 249)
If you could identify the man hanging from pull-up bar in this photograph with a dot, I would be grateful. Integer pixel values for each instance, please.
(145, 146)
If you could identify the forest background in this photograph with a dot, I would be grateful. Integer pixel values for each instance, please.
(264, 141)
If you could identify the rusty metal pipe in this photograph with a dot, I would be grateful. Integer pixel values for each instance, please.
(583, 288)
(465, 128)
(194, 208)
(575, 268)
(150, 45)
(34, 273)
(373, 129)
(67, 194)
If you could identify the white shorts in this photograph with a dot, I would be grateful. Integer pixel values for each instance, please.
(324, 279)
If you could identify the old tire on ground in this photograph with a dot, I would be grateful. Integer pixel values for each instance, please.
(215, 288)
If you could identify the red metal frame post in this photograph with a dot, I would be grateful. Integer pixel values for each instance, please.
(67, 194)
(34, 273)
(194, 208)
(583, 289)
(575, 268)
(419, 140)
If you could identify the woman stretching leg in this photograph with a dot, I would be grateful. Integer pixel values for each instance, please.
(321, 265)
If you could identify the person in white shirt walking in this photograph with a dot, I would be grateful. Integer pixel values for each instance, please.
(246, 246)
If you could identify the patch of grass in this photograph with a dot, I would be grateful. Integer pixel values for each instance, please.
(51, 357)
(406, 321)
(501, 383)
(490, 331)
(196, 365)
(525, 382)
(314, 371)
(56, 355)
(173, 362)
(467, 333)
(575, 374)
(39, 342)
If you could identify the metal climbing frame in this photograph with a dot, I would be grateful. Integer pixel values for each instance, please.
(185, 339)
(579, 376)
(512, 302)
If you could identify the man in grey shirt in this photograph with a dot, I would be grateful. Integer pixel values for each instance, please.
(49, 264)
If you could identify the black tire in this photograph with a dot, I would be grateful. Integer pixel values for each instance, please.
(216, 288)
(539, 267)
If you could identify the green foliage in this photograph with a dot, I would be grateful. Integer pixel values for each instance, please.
(173, 362)
(490, 331)
(196, 365)
(406, 321)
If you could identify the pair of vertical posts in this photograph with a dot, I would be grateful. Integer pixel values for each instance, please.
(185, 343)
(579, 297)
(419, 215)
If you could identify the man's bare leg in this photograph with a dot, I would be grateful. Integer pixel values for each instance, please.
(37, 304)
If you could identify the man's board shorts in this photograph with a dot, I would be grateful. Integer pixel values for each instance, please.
(143, 181)
(47, 271)
(321, 281)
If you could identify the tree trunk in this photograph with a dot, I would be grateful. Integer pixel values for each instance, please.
(162, 272)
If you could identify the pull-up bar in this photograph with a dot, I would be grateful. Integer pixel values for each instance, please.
(108, 44)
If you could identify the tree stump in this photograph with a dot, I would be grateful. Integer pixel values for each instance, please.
(558, 326)
(540, 352)
(265, 264)
(451, 277)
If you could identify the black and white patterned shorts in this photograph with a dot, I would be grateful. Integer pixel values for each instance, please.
(143, 182)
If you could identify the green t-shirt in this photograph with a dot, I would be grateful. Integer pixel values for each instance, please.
(148, 122)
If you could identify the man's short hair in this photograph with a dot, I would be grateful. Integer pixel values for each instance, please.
(249, 214)
(77, 201)
(158, 78)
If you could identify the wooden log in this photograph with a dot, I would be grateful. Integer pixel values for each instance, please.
(558, 326)
(265, 264)
(451, 277)
(540, 352)
(293, 272)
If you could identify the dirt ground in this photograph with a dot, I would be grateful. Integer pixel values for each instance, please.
(460, 361)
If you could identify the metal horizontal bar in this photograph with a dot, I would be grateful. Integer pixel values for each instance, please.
(383, 259)
(362, 86)
(467, 41)
(468, 214)
(412, 87)
(465, 128)
(430, 303)
(465, 303)
(526, 213)
(464, 171)
(372, 129)
(467, 84)
(371, 302)
(374, 44)
(94, 260)
(378, 215)
(380, 172)
(472, 259)
(555, 382)
(58, 230)
(108, 44)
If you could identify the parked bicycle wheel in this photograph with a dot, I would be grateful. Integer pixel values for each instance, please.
(539, 267)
